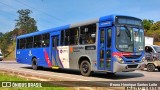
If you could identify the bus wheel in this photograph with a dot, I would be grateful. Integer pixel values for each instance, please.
(34, 64)
(158, 68)
(110, 73)
(150, 67)
(85, 68)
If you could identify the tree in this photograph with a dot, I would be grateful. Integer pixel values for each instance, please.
(25, 24)
(5, 41)
(1, 34)
(147, 24)
(156, 26)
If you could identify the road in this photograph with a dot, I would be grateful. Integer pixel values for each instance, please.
(72, 75)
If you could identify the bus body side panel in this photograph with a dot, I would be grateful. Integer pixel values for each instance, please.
(63, 56)
(76, 52)
(42, 56)
(22, 56)
(25, 56)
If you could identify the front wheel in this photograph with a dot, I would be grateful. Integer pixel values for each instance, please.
(150, 67)
(85, 68)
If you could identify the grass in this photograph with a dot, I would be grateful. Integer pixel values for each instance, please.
(6, 77)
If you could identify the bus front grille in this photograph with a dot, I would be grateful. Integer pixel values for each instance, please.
(132, 56)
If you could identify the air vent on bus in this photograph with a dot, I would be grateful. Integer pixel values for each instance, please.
(132, 56)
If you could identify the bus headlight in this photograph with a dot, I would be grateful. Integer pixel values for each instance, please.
(119, 59)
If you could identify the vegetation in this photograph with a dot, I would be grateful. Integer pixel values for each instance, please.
(5, 78)
(152, 29)
(24, 24)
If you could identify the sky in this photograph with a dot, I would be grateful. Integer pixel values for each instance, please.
(54, 13)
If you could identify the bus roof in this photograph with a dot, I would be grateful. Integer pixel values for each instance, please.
(101, 19)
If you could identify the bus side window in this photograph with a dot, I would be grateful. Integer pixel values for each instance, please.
(45, 40)
(18, 44)
(62, 37)
(29, 42)
(37, 41)
(22, 43)
(67, 37)
(74, 34)
(88, 34)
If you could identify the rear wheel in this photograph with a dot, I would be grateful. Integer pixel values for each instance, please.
(158, 68)
(34, 64)
(150, 67)
(85, 68)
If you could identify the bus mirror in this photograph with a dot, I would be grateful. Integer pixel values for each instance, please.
(93, 35)
(118, 32)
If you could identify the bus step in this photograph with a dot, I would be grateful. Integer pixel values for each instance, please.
(55, 67)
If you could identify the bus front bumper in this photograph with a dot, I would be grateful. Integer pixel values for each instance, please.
(118, 67)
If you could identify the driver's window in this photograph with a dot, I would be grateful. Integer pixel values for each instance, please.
(148, 49)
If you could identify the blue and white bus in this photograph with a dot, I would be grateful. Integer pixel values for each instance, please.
(112, 43)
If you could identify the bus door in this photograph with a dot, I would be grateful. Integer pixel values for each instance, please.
(55, 41)
(104, 51)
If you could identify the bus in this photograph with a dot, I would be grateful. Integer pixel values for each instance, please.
(113, 43)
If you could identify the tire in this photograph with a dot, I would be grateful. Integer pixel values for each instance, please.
(85, 68)
(110, 74)
(34, 64)
(158, 68)
(150, 67)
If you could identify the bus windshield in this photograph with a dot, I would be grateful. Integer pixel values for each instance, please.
(129, 39)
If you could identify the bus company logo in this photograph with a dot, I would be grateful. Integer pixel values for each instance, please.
(30, 53)
(6, 84)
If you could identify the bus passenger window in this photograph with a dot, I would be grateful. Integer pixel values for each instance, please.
(88, 34)
(22, 43)
(45, 40)
(67, 37)
(74, 33)
(37, 41)
(29, 42)
(62, 38)
(18, 44)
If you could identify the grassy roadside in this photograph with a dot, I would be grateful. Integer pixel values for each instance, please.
(11, 52)
(6, 77)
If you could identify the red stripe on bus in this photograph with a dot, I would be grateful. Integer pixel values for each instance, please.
(47, 58)
(121, 53)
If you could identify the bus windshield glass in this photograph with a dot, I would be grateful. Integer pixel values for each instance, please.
(129, 39)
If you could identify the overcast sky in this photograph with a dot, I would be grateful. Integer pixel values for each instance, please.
(53, 13)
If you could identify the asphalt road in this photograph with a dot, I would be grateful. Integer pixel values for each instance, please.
(72, 75)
